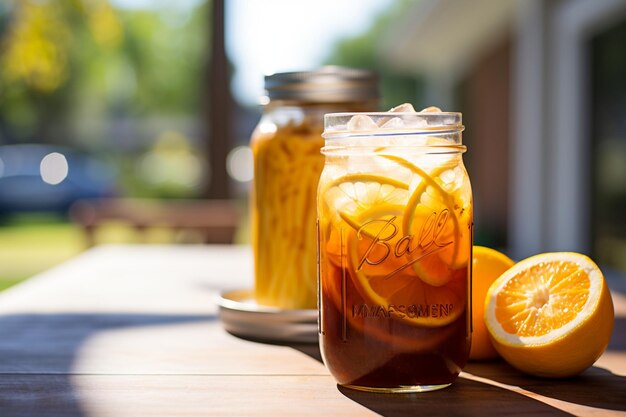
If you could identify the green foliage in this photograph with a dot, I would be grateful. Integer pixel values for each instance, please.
(166, 61)
(362, 52)
(111, 81)
(64, 61)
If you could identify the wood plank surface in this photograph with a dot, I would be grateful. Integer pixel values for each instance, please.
(250, 395)
(134, 331)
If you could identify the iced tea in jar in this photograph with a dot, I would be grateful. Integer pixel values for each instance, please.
(287, 165)
(395, 247)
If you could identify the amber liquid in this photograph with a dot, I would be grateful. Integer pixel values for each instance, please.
(375, 349)
(394, 271)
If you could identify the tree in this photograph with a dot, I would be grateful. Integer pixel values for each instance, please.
(63, 61)
(361, 52)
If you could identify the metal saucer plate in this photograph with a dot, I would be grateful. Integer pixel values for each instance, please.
(242, 316)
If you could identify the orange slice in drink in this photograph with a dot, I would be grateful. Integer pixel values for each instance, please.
(388, 280)
(370, 227)
(352, 195)
(440, 221)
(374, 236)
(550, 315)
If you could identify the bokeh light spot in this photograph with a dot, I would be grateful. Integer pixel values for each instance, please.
(239, 164)
(53, 168)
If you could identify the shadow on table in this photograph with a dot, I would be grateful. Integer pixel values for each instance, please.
(618, 338)
(463, 398)
(310, 349)
(596, 387)
(34, 343)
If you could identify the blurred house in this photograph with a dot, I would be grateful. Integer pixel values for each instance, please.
(545, 135)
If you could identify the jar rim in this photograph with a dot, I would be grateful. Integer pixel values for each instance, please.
(337, 125)
(397, 114)
(338, 150)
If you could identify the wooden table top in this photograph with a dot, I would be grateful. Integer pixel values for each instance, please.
(133, 331)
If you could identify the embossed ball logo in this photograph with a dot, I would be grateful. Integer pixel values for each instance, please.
(382, 234)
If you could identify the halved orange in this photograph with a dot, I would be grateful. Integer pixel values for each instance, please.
(550, 315)
(487, 266)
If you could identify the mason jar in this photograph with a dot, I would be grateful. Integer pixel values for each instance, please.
(287, 165)
(395, 244)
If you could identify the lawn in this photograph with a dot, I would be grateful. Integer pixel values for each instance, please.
(32, 244)
(29, 246)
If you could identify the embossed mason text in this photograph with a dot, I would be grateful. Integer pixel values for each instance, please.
(402, 310)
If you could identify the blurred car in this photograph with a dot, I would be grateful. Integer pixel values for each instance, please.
(46, 178)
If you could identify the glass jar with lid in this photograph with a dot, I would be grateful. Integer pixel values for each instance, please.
(287, 165)
(395, 246)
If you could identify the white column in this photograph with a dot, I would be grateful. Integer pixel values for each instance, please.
(527, 172)
(569, 171)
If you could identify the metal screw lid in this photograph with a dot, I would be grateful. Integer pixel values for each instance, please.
(329, 84)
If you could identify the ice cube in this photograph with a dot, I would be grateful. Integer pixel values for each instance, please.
(448, 176)
(431, 109)
(416, 122)
(406, 121)
(361, 122)
(403, 108)
(393, 123)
